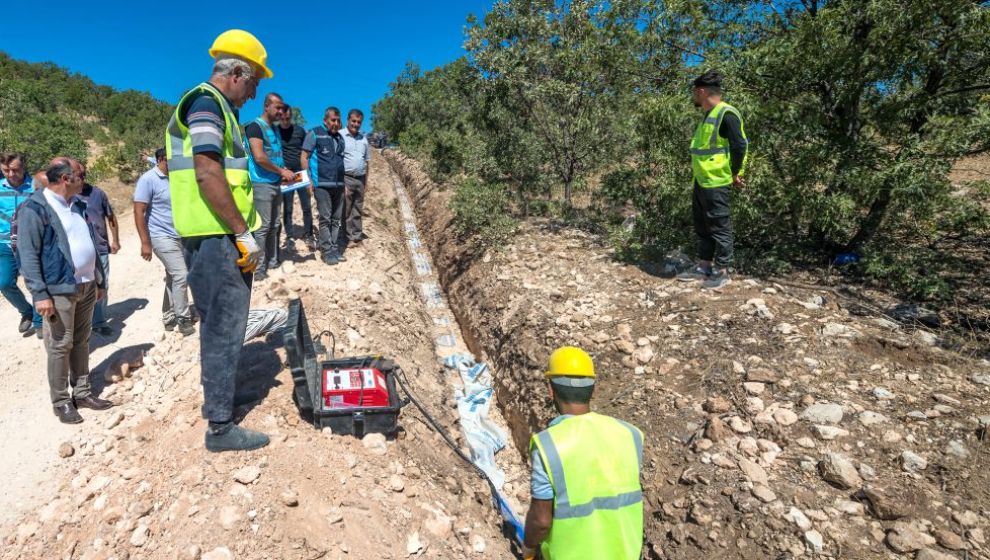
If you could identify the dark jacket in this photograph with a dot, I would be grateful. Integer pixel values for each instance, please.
(43, 249)
(326, 160)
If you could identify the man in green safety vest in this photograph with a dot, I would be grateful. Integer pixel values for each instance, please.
(213, 212)
(718, 161)
(587, 501)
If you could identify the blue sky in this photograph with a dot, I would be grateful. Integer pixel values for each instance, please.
(322, 53)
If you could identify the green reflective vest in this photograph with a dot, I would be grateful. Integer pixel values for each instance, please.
(593, 462)
(710, 152)
(192, 215)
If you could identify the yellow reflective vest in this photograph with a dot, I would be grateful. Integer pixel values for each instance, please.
(192, 215)
(710, 152)
(593, 463)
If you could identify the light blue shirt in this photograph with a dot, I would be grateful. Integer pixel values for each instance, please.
(356, 153)
(153, 190)
(540, 486)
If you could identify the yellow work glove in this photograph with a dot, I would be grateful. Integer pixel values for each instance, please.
(250, 252)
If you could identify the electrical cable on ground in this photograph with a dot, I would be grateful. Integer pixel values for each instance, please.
(500, 502)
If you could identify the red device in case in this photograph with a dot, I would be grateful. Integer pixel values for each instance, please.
(354, 387)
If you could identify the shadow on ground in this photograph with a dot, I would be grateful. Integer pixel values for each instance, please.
(127, 354)
(117, 314)
(260, 364)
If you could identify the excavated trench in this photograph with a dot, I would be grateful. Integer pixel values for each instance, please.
(522, 403)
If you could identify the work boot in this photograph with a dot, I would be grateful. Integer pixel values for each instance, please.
(67, 414)
(331, 259)
(717, 279)
(95, 403)
(25, 324)
(231, 437)
(696, 273)
(186, 327)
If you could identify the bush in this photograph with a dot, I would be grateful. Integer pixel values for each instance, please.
(482, 209)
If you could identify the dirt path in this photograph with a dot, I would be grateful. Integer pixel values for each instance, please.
(31, 431)
(140, 484)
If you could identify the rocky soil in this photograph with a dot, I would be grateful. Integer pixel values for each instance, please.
(135, 481)
(779, 424)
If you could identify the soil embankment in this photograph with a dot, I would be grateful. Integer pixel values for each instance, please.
(778, 423)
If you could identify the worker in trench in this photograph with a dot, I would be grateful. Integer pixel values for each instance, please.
(214, 214)
(587, 501)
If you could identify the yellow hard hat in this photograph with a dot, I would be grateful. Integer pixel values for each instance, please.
(242, 44)
(570, 361)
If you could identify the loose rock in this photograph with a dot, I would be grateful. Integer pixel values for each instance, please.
(823, 413)
(839, 471)
(66, 450)
(247, 475)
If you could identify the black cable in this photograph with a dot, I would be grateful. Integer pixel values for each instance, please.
(440, 430)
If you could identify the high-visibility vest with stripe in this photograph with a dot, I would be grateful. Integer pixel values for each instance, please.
(192, 215)
(593, 462)
(273, 149)
(710, 152)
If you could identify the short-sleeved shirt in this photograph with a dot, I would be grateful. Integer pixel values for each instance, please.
(152, 189)
(326, 159)
(540, 486)
(292, 141)
(204, 118)
(98, 211)
(356, 153)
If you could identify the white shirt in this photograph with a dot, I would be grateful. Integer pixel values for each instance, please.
(356, 153)
(81, 245)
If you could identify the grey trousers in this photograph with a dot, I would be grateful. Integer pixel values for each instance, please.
(354, 206)
(268, 203)
(175, 302)
(67, 343)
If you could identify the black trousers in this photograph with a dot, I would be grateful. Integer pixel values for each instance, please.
(713, 224)
(330, 208)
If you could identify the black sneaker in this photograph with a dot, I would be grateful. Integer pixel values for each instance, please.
(186, 327)
(696, 273)
(331, 259)
(25, 324)
(716, 280)
(170, 325)
(234, 438)
(103, 330)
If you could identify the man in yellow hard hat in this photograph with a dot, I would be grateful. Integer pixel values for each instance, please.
(587, 501)
(213, 212)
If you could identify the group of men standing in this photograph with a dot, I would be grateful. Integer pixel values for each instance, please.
(336, 159)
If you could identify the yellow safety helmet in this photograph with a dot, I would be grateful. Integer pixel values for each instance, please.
(571, 362)
(242, 44)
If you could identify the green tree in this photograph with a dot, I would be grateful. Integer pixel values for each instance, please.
(561, 66)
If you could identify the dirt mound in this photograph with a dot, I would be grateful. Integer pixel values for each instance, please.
(142, 486)
(778, 423)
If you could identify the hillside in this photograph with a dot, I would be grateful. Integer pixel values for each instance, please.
(46, 110)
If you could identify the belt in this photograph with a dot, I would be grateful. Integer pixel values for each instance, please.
(352, 176)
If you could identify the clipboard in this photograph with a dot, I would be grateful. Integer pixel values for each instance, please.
(302, 181)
